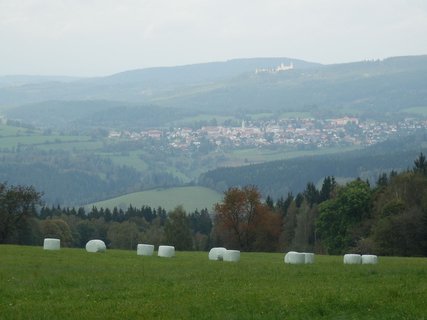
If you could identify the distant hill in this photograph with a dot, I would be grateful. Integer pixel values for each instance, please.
(368, 88)
(138, 85)
(84, 114)
(20, 80)
(196, 74)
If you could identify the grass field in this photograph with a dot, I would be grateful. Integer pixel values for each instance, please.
(74, 284)
(11, 137)
(422, 111)
(191, 198)
(132, 159)
(254, 155)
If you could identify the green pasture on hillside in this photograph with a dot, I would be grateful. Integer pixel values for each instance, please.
(190, 120)
(422, 111)
(74, 284)
(294, 115)
(191, 198)
(6, 130)
(130, 159)
(11, 137)
(256, 155)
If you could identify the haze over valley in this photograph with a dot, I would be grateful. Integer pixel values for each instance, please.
(100, 100)
(213, 159)
(174, 126)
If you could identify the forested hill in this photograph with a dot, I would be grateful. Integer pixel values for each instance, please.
(233, 87)
(277, 178)
(143, 85)
(200, 73)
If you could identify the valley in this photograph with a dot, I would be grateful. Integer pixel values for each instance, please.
(183, 126)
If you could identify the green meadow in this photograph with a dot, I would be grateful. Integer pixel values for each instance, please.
(74, 284)
(191, 198)
(422, 111)
(255, 155)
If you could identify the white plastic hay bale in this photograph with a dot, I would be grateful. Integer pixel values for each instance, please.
(293, 257)
(369, 259)
(95, 246)
(309, 257)
(51, 244)
(166, 251)
(217, 253)
(145, 250)
(287, 255)
(351, 258)
(231, 255)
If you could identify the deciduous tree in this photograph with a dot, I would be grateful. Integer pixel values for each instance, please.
(243, 222)
(177, 230)
(16, 202)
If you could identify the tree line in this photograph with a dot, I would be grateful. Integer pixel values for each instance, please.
(389, 218)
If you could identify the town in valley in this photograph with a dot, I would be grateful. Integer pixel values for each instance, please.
(295, 132)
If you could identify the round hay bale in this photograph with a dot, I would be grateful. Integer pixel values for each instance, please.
(145, 250)
(351, 258)
(231, 255)
(95, 246)
(166, 251)
(287, 255)
(369, 259)
(51, 244)
(293, 257)
(309, 257)
(217, 253)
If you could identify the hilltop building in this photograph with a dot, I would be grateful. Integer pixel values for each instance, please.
(280, 68)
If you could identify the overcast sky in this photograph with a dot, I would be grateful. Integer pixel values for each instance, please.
(101, 37)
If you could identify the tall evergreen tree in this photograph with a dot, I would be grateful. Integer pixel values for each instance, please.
(420, 164)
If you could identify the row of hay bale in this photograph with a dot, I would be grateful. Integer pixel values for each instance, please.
(352, 258)
(91, 246)
(96, 245)
(148, 250)
(217, 253)
(222, 254)
(293, 257)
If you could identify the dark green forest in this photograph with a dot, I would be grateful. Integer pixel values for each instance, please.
(388, 218)
(276, 178)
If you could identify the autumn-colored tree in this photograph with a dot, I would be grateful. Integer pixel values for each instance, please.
(243, 222)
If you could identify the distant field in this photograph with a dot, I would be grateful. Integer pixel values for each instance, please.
(13, 136)
(202, 117)
(293, 115)
(254, 155)
(74, 284)
(131, 159)
(6, 130)
(261, 116)
(49, 142)
(191, 198)
(417, 110)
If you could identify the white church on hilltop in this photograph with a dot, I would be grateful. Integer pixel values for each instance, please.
(280, 68)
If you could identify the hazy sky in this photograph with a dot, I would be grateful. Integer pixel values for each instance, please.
(100, 37)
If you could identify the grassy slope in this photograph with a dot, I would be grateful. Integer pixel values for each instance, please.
(190, 198)
(422, 111)
(74, 284)
(253, 155)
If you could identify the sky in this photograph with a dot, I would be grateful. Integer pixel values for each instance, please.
(103, 37)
